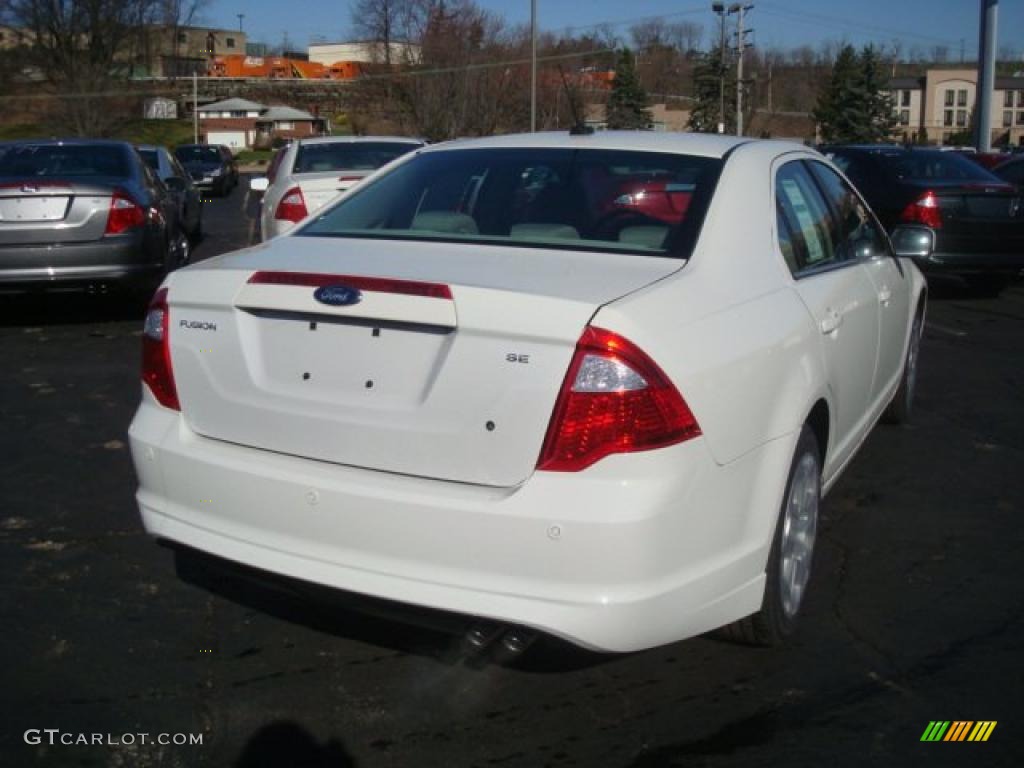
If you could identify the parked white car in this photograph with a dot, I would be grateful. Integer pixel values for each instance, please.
(588, 385)
(309, 173)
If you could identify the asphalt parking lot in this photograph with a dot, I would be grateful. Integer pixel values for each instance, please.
(916, 613)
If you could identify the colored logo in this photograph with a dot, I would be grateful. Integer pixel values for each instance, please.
(337, 295)
(958, 730)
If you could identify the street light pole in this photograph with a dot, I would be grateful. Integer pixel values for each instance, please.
(533, 66)
(719, 8)
(741, 45)
(986, 75)
(195, 107)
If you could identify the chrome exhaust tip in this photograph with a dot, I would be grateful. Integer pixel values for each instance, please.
(481, 634)
(516, 640)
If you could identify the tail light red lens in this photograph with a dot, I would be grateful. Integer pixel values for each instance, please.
(157, 373)
(615, 399)
(124, 214)
(292, 206)
(925, 210)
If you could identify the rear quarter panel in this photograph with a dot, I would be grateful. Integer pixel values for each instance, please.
(728, 327)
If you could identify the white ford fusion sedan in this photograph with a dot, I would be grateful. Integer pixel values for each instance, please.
(592, 386)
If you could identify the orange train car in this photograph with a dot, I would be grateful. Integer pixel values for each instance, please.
(272, 67)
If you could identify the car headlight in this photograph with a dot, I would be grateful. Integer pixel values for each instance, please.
(216, 172)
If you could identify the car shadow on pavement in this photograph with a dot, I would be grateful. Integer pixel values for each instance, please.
(425, 632)
(285, 743)
(44, 309)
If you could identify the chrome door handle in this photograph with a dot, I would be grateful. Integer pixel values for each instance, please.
(831, 321)
(884, 295)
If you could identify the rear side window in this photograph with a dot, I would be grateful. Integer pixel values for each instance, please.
(149, 157)
(348, 156)
(804, 215)
(586, 199)
(65, 160)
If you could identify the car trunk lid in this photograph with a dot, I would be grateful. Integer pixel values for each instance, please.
(980, 218)
(320, 188)
(447, 366)
(35, 211)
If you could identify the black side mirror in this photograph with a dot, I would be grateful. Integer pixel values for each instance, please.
(913, 241)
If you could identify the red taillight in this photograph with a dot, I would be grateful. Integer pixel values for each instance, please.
(925, 210)
(156, 352)
(292, 206)
(614, 399)
(124, 214)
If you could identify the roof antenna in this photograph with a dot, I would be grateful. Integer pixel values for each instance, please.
(579, 128)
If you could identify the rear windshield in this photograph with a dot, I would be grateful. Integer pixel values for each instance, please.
(198, 154)
(348, 156)
(588, 199)
(934, 166)
(65, 160)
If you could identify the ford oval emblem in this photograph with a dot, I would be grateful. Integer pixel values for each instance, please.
(337, 295)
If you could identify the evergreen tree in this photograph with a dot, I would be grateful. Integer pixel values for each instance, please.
(707, 95)
(855, 105)
(627, 102)
(879, 107)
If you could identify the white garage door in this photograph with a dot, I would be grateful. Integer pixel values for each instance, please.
(233, 139)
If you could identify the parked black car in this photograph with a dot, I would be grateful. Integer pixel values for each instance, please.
(84, 214)
(179, 183)
(211, 166)
(1012, 171)
(973, 220)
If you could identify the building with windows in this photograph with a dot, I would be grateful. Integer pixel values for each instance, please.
(940, 104)
(177, 51)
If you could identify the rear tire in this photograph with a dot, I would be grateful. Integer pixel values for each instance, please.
(788, 572)
(900, 408)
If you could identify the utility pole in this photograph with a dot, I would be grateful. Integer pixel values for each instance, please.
(719, 8)
(240, 17)
(195, 107)
(741, 46)
(986, 74)
(533, 66)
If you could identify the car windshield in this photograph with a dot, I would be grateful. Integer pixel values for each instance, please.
(198, 154)
(588, 199)
(348, 156)
(150, 158)
(935, 166)
(64, 160)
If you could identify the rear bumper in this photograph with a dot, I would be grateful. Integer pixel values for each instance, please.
(1009, 264)
(75, 266)
(638, 551)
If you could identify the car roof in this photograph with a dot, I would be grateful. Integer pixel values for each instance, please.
(702, 144)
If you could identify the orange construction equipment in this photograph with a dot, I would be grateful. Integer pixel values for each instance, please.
(272, 67)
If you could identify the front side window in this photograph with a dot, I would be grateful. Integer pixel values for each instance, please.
(586, 199)
(856, 236)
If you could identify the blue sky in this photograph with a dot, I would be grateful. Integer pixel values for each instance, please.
(786, 23)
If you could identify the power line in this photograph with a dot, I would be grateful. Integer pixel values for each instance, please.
(814, 18)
